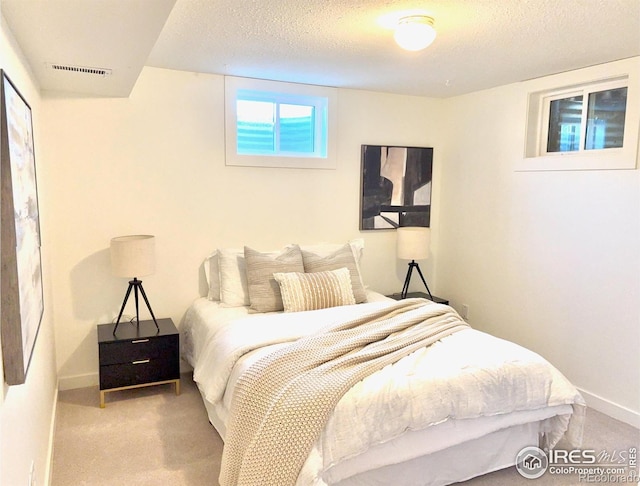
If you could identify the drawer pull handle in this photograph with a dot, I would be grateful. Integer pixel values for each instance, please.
(142, 361)
(140, 341)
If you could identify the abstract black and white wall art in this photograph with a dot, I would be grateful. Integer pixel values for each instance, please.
(395, 187)
(22, 306)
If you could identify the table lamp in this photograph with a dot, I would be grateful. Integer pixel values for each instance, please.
(413, 244)
(133, 256)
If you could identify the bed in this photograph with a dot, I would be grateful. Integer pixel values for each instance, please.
(443, 413)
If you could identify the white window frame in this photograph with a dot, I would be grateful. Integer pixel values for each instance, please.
(597, 78)
(323, 98)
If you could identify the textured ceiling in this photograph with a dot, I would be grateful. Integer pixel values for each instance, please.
(480, 43)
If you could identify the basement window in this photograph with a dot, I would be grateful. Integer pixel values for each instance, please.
(591, 118)
(273, 124)
(582, 126)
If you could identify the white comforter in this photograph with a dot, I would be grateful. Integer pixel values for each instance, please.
(467, 375)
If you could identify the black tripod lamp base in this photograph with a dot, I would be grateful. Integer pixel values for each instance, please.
(136, 285)
(407, 280)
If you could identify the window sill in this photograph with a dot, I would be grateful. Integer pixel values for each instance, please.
(616, 159)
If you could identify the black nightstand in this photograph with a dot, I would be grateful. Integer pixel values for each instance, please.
(135, 357)
(437, 300)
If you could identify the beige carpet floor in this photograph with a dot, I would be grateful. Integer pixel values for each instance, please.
(150, 436)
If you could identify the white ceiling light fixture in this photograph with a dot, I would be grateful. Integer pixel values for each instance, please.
(415, 32)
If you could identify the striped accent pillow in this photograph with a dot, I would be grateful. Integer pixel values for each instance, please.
(318, 290)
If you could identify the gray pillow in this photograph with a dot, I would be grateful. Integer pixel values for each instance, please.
(264, 291)
(341, 258)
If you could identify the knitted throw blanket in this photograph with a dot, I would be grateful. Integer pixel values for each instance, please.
(282, 402)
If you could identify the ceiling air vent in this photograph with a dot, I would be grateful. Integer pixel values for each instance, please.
(79, 69)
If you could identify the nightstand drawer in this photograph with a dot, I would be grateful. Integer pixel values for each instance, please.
(138, 372)
(138, 349)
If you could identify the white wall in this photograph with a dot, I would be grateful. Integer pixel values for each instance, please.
(550, 260)
(154, 163)
(27, 410)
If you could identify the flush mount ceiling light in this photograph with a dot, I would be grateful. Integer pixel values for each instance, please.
(415, 32)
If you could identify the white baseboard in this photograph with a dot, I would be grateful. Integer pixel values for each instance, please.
(611, 409)
(52, 430)
(78, 381)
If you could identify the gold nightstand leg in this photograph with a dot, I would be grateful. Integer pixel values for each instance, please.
(175, 382)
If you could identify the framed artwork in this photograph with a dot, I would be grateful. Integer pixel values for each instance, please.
(395, 187)
(21, 305)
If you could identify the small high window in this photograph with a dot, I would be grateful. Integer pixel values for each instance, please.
(272, 124)
(583, 120)
(592, 118)
(277, 124)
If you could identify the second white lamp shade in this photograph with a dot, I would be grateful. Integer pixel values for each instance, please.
(413, 243)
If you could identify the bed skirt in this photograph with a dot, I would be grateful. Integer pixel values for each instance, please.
(442, 454)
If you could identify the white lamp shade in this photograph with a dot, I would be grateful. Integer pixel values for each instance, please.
(133, 255)
(413, 242)
(415, 32)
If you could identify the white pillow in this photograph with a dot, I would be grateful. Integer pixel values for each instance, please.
(234, 290)
(212, 274)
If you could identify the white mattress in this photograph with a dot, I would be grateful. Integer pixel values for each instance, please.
(205, 319)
